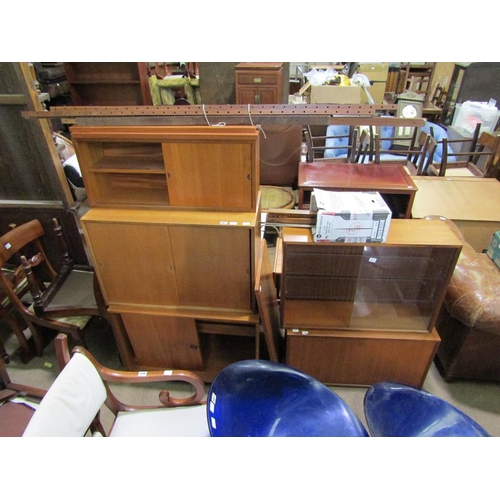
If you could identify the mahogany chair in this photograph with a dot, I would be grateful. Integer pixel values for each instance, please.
(17, 404)
(72, 405)
(64, 300)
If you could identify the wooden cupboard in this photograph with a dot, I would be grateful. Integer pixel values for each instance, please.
(261, 83)
(174, 234)
(361, 313)
(170, 167)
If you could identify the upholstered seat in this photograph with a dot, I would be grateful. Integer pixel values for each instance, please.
(72, 404)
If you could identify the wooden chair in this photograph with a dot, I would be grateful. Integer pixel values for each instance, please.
(64, 300)
(17, 404)
(71, 406)
(417, 160)
(362, 151)
(318, 147)
(487, 146)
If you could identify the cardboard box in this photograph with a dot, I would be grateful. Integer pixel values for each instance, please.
(377, 91)
(337, 94)
(493, 251)
(376, 72)
(350, 217)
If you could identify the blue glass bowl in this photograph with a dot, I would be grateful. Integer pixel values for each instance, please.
(261, 398)
(397, 410)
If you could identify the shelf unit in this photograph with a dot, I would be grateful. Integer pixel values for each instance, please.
(335, 296)
(170, 167)
(174, 234)
(108, 83)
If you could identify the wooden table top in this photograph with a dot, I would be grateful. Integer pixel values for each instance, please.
(457, 198)
(354, 177)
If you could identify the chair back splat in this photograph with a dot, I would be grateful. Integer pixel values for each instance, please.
(258, 398)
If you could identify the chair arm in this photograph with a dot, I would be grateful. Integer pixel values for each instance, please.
(141, 377)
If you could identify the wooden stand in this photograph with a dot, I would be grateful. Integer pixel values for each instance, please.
(391, 181)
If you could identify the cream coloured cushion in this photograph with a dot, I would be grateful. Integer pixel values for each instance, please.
(71, 403)
(187, 421)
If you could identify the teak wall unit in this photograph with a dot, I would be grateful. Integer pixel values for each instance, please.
(357, 314)
(174, 234)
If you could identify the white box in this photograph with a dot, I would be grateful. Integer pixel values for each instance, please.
(470, 113)
(350, 217)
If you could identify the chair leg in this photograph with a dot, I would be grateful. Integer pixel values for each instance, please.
(27, 352)
(3, 354)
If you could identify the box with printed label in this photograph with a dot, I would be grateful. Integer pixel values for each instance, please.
(350, 217)
(493, 251)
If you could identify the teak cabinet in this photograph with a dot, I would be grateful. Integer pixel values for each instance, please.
(170, 167)
(260, 83)
(361, 313)
(174, 234)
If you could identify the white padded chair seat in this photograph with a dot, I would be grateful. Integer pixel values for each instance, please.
(71, 403)
(188, 421)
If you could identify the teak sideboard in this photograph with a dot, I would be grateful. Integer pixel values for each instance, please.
(174, 234)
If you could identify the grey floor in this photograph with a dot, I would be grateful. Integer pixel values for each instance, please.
(479, 400)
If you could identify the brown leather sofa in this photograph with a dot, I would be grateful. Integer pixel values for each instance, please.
(469, 321)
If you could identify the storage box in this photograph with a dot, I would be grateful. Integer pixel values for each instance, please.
(376, 72)
(337, 94)
(350, 217)
(493, 251)
(468, 114)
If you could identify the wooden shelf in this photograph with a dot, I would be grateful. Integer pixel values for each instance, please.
(95, 83)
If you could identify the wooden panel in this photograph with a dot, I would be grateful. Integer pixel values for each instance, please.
(213, 266)
(133, 262)
(362, 358)
(164, 341)
(265, 291)
(210, 174)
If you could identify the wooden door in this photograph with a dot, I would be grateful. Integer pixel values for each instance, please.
(164, 341)
(133, 262)
(224, 167)
(213, 266)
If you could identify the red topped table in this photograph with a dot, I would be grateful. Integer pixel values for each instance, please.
(392, 181)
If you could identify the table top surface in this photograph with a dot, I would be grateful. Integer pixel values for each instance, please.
(354, 176)
(457, 198)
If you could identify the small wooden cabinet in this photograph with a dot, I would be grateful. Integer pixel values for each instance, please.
(261, 83)
(361, 313)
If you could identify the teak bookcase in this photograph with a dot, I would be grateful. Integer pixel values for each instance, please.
(174, 234)
(358, 314)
